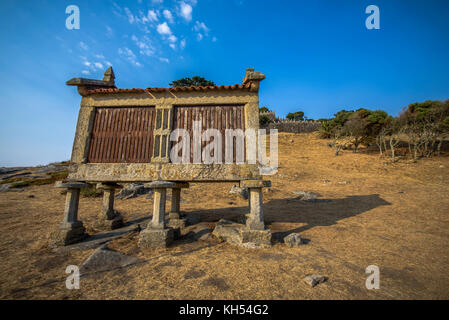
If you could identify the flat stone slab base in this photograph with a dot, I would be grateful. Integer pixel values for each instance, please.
(237, 234)
(104, 259)
(104, 224)
(67, 236)
(156, 238)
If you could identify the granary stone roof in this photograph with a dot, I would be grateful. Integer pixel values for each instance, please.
(107, 85)
(171, 89)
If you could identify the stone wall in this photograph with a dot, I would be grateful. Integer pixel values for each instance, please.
(293, 126)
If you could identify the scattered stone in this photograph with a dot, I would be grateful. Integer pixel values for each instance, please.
(105, 259)
(5, 170)
(239, 191)
(51, 168)
(133, 190)
(344, 182)
(293, 240)
(315, 279)
(239, 235)
(306, 195)
(326, 181)
(5, 187)
(15, 175)
(291, 140)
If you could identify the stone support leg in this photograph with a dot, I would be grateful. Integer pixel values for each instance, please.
(176, 219)
(159, 198)
(108, 219)
(71, 230)
(156, 235)
(255, 220)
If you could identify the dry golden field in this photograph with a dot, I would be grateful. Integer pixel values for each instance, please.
(395, 216)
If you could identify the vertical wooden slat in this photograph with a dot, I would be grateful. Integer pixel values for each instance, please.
(122, 135)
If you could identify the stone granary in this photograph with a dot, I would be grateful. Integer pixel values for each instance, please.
(123, 136)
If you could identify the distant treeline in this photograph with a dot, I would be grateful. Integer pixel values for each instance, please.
(422, 126)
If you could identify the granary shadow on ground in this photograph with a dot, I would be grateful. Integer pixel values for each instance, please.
(321, 212)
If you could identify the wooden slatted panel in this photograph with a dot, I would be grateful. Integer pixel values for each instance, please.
(216, 117)
(122, 135)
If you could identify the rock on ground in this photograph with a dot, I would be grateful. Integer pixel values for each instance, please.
(237, 234)
(51, 168)
(5, 170)
(315, 279)
(105, 259)
(306, 195)
(293, 240)
(132, 190)
(243, 192)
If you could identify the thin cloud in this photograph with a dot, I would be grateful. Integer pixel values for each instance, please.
(83, 46)
(182, 44)
(168, 15)
(152, 16)
(163, 29)
(129, 55)
(144, 45)
(130, 16)
(185, 11)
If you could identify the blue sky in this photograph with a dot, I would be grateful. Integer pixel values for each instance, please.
(318, 57)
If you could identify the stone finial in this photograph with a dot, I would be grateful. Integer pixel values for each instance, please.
(254, 78)
(109, 75)
(84, 84)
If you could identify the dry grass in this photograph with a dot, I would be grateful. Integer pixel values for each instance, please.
(392, 215)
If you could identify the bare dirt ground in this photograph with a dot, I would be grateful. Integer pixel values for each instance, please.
(395, 216)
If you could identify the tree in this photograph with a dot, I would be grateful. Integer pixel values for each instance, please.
(263, 120)
(264, 109)
(356, 129)
(424, 124)
(189, 82)
(396, 129)
(296, 116)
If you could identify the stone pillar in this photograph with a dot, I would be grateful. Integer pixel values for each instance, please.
(71, 230)
(255, 220)
(159, 197)
(175, 204)
(254, 231)
(156, 234)
(176, 219)
(108, 218)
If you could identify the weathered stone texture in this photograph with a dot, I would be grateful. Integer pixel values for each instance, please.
(156, 238)
(238, 234)
(293, 240)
